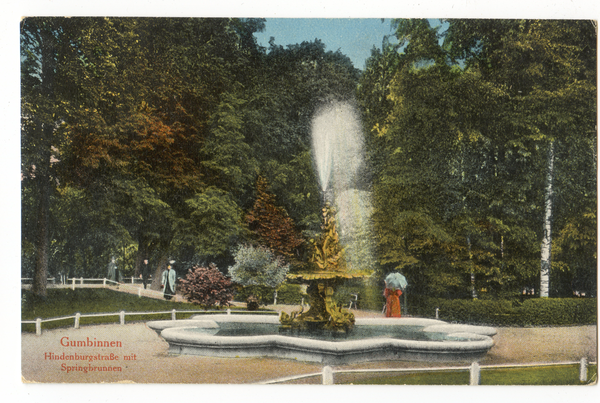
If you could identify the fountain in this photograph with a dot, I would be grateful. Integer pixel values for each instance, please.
(327, 333)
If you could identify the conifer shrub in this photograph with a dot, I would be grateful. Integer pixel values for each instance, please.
(207, 286)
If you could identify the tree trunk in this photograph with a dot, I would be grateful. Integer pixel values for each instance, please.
(40, 276)
(45, 131)
(473, 288)
(547, 237)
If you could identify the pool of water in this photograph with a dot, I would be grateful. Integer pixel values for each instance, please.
(357, 333)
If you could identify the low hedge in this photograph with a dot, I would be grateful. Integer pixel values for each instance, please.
(532, 312)
(288, 294)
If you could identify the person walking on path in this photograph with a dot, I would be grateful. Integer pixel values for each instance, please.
(392, 305)
(169, 277)
(145, 273)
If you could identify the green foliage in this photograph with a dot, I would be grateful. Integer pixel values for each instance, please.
(459, 135)
(207, 286)
(263, 294)
(532, 312)
(290, 294)
(257, 266)
(213, 225)
(559, 311)
(287, 294)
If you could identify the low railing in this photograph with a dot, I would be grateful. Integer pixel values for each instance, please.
(122, 314)
(474, 371)
(80, 280)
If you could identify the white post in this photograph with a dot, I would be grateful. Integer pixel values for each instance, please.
(77, 319)
(327, 376)
(173, 314)
(122, 317)
(437, 313)
(104, 282)
(475, 374)
(81, 281)
(275, 298)
(73, 283)
(583, 370)
(228, 311)
(38, 326)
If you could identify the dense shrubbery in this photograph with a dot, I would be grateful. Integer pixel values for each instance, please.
(263, 294)
(207, 286)
(370, 297)
(288, 294)
(291, 294)
(532, 312)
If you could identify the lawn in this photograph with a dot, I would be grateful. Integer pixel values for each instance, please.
(67, 302)
(541, 375)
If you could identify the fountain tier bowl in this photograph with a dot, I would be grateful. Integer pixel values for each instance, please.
(373, 339)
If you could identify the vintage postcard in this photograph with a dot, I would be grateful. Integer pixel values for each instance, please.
(308, 201)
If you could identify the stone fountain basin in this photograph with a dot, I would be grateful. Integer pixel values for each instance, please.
(459, 343)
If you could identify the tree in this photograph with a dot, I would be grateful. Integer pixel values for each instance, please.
(462, 140)
(50, 56)
(272, 226)
(546, 70)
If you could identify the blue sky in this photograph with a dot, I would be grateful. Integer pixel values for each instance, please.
(354, 37)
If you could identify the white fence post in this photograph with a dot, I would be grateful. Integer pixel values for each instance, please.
(475, 372)
(77, 319)
(275, 298)
(73, 283)
(327, 376)
(437, 313)
(583, 370)
(81, 281)
(122, 317)
(104, 282)
(38, 326)
(173, 314)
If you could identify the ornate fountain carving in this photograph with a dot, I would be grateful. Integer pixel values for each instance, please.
(326, 268)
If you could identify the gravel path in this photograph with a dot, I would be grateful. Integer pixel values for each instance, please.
(149, 362)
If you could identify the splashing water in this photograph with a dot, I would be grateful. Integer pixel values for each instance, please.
(337, 144)
(338, 150)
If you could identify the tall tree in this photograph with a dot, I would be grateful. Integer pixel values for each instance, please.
(272, 225)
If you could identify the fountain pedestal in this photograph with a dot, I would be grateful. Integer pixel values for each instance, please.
(323, 314)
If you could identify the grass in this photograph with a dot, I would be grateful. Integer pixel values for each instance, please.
(541, 375)
(67, 302)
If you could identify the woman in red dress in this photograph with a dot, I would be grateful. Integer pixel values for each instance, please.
(392, 306)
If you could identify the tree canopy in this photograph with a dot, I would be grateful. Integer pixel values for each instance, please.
(160, 138)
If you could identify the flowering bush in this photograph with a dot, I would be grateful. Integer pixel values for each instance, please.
(207, 286)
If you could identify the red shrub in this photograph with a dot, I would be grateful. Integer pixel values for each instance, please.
(207, 286)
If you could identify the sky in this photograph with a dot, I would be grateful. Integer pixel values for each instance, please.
(354, 37)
